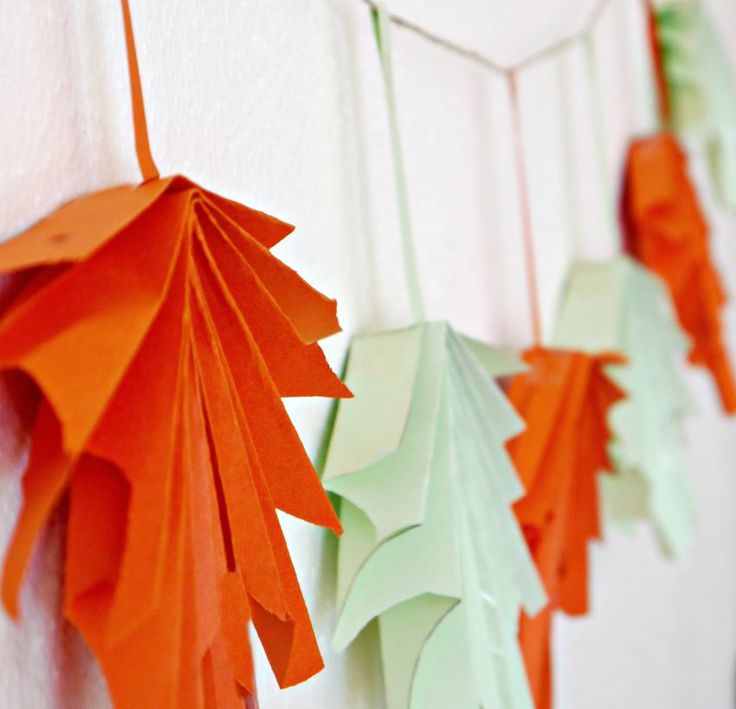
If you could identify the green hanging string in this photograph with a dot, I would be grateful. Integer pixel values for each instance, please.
(381, 28)
(527, 230)
(599, 134)
(569, 176)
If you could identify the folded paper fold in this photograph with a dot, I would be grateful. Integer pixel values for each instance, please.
(666, 230)
(431, 548)
(619, 305)
(701, 88)
(162, 334)
(564, 400)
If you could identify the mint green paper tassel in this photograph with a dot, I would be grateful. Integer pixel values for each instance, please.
(701, 85)
(431, 547)
(618, 305)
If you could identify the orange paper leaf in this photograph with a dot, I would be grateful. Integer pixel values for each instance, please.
(564, 400)
(667, 232)
(161, 334)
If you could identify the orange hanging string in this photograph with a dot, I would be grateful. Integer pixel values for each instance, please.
(142, 148)
(655, 53)
(526, 216)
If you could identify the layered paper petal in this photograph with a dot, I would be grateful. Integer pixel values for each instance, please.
(701, 87)
(667, 232)
(619, 305)
(431, 547)
(162, 334)
(564, 399)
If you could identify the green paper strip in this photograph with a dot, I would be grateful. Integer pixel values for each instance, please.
(599, 131)
(382, 32)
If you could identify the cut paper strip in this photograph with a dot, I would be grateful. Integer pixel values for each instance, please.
(666, 230)
(564, 399)
(161, 334)
(618, 305)
(701, 88)
(431, 547)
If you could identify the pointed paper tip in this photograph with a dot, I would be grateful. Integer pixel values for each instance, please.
(9, 595)
(294, 676)
(725, 384)
(342, 391)
(343, 636)
(333, 521)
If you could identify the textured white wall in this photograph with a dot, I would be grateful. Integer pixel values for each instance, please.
(279, 105)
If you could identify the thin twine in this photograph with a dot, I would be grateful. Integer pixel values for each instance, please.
(486, 62)
(526, 216)
(382, 19)
(142, 147)
(381, 27)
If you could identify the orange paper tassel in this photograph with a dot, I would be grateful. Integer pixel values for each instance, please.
(159, 334)
(162, 334)
(564, 400)
(667, 232)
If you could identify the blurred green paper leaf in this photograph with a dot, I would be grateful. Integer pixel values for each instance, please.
(701, 85)
(619, 305)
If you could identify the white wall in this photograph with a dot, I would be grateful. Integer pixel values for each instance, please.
(279, 105)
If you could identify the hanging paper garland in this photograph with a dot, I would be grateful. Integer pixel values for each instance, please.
(564, 400)
(431, 547)
(666, 230)
(161, 334)
(701, 86)
(620, 306)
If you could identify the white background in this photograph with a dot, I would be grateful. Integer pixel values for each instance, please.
(279, 105)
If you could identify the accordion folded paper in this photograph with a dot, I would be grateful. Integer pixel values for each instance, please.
(161, 334)
(701, 87)
(618, 305)
(431, 546)
(666, 230)
(564, 399)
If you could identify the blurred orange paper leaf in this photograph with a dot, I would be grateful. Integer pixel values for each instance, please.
(667, 232)
(564, 399)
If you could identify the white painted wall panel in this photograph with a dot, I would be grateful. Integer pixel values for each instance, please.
(279, 105)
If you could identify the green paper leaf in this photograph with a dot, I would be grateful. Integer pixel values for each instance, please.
(701, 87)
(431, 547)
(619, 305)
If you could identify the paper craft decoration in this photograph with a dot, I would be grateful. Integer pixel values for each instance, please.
(620, 306)
(666, 231)
(701, 88)
(564, 399)
(161, 334)
(431, 547)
